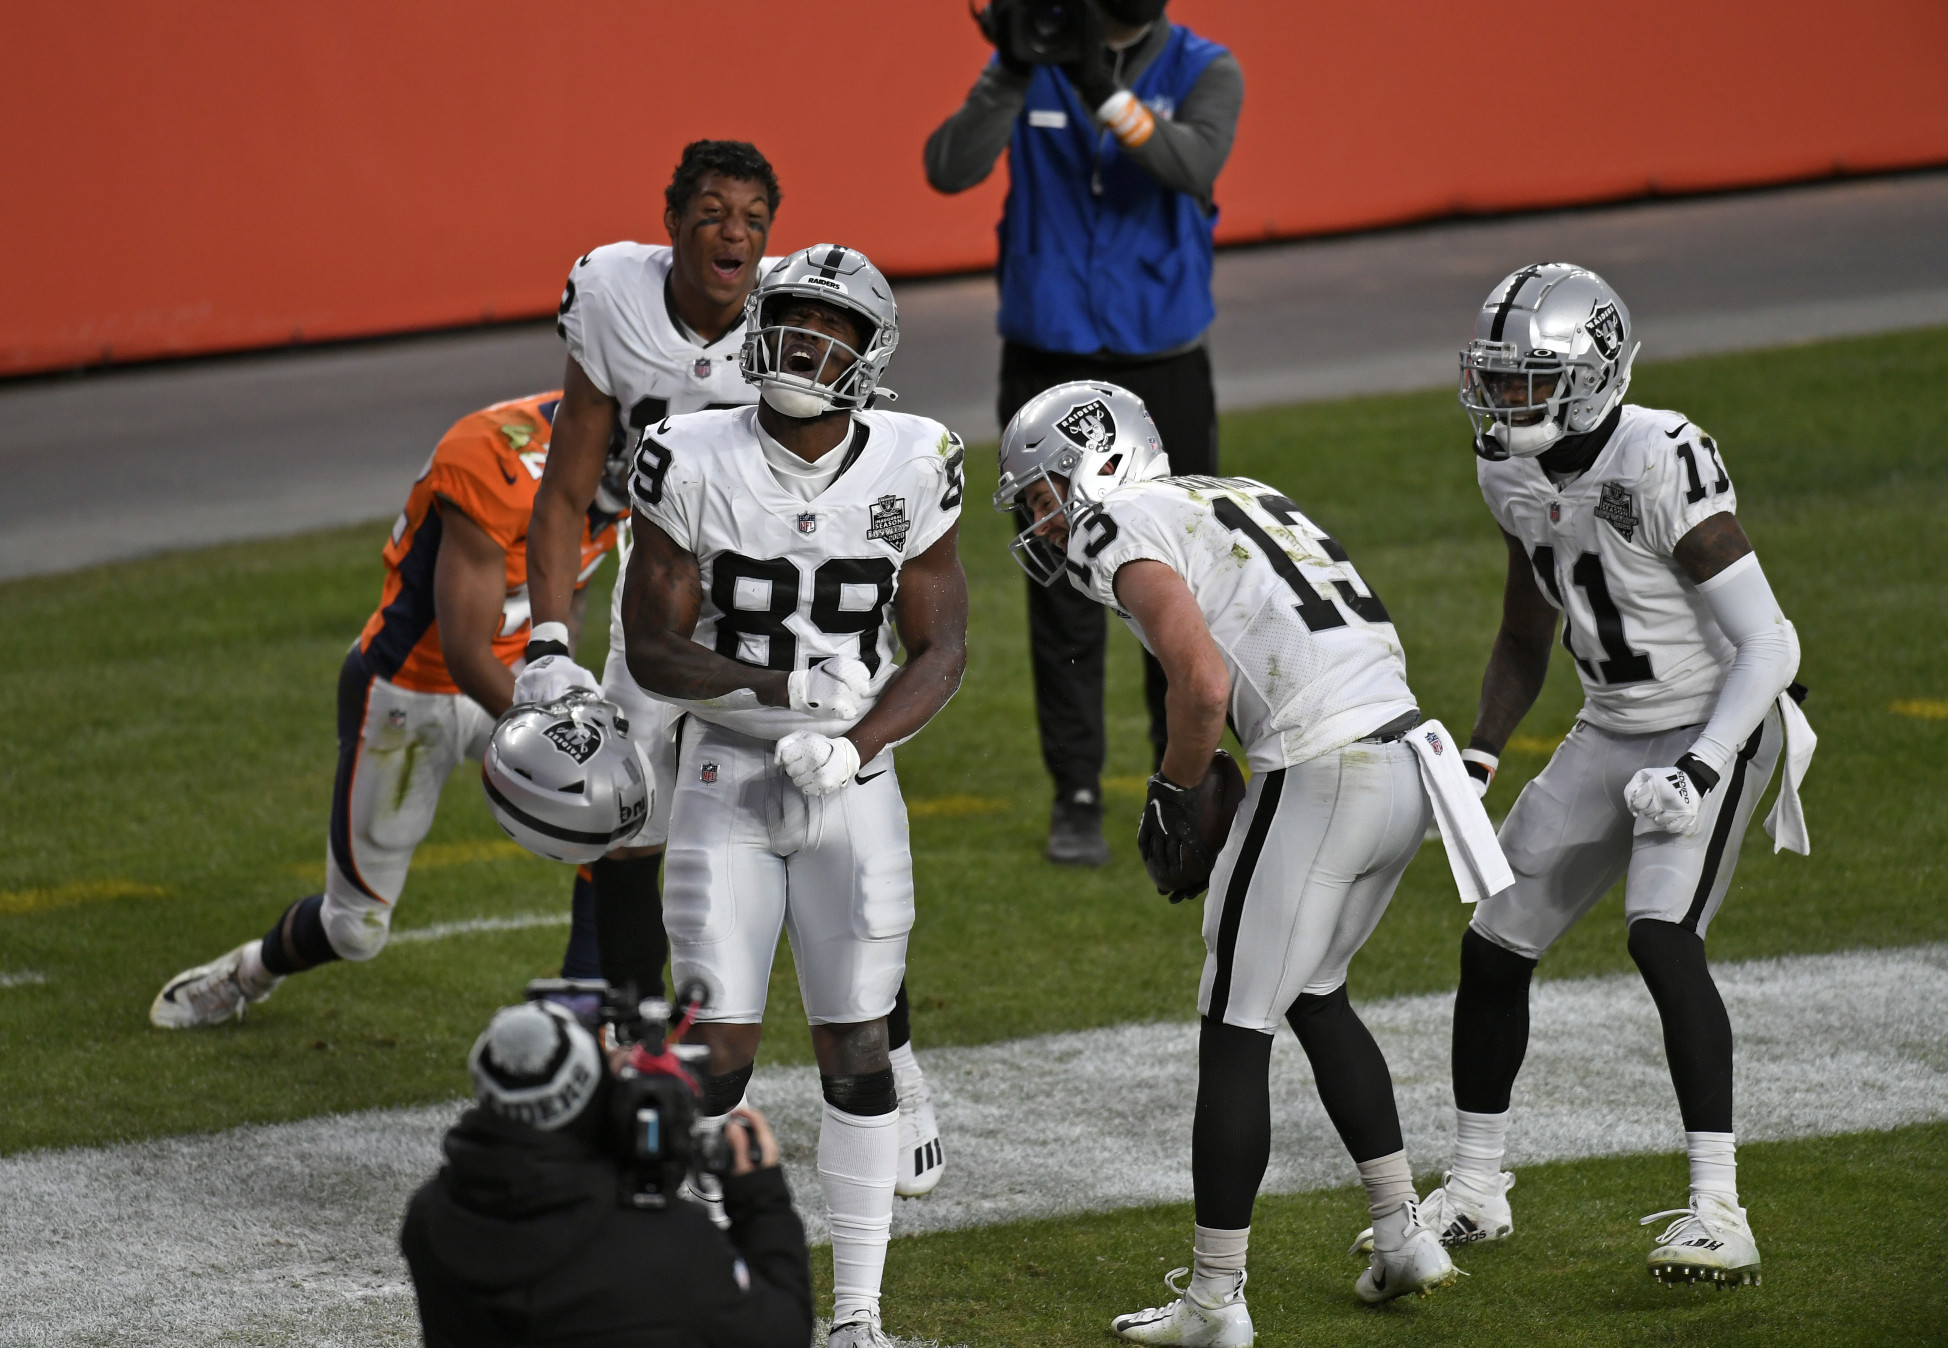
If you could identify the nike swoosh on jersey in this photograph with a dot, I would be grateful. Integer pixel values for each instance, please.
(865, 777)
(1679, 431)
(511, 479)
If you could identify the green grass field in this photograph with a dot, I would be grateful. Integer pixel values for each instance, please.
(170, 760)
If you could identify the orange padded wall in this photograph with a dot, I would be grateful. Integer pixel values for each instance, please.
(219, 174)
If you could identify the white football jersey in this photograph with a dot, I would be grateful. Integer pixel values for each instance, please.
(615, 316)
(1315, 663)
(788, 583)
(1650, 655)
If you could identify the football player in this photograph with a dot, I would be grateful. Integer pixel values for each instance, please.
(417, 693)
(781, 552)
(653, 331)
(1258, 616)
(1623, 520)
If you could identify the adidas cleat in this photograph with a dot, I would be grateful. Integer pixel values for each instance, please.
(1415, 1269)
(209, 994)
(922, 1162)
(861, 1331)
(1709, 1242)
(1189, 1321)
(1460, 1214)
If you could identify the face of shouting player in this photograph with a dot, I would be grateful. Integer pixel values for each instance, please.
(718, 240)
(808, 353)
(1045, 507)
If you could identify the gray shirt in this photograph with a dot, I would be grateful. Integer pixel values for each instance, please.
(1184, 154)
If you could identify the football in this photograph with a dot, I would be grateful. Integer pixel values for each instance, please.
(1215, 802)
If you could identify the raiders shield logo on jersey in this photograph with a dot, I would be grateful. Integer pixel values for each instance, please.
(808, 523)
(1615, 510)
(889, 522)
(576, 740)
(1090, 426)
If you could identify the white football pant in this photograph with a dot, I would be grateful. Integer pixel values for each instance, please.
(1570, 838)
(1307, 872)
(749, 853)
(396, 749)
(650, 726)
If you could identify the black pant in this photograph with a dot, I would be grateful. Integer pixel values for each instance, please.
(1068, 632)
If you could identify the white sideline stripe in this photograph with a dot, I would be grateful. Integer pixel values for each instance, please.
(21, 978)
(288, 1233)
(441, 930)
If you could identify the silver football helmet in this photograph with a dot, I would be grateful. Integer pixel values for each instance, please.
(562, 778)
(1551, 356)
(839, 276)
(1096, 436)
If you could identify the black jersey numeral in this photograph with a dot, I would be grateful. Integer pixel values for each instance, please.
(1696, 491)
(1102, 530)
(652, 466)
(956, 478)
(1621, 664)
(1317, 611)
(785, 579)
(827, 592)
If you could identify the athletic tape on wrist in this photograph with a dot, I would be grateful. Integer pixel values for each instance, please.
(1483, 759)
(1127, 119)
(543, 632)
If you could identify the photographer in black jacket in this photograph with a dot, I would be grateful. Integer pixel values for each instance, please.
(537, 1230)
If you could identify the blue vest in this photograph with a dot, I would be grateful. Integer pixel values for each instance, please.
(1126, 269)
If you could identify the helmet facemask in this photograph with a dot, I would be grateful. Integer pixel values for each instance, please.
(1514, 401)
(812, 389)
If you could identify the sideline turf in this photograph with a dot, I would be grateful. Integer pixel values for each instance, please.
(171, 756)
(1848, 1229)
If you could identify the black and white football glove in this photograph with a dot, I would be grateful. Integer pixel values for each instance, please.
(1175, 856)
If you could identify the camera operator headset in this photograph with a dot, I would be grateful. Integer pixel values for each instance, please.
(1116, 122)
(555, 1218)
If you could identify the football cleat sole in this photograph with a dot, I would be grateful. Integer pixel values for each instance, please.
(1676, 1273)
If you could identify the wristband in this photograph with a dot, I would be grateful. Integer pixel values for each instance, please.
(1480, 763)
(1695, 768)
(547, 639)
(1127, 119)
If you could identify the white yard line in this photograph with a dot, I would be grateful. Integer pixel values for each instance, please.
(288, 1233)
(441, 930)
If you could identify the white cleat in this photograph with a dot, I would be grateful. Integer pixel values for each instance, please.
(1415, 1269)
(209, 994)
(861, 1331)
(707, 1192)
(1460, 1213)
(1189, 1321)
(922, 1162)
(1709, 1242)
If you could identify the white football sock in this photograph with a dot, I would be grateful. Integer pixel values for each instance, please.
(858, 1159)
(1389, 1182)
(1217, 1263)
(1714, 1165)
(904, 1063)
(1479, 1141)
(251, 970)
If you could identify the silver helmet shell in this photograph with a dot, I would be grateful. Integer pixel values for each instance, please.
(1551, 356)
(1097, 436)
(562, 778)
(839, 276)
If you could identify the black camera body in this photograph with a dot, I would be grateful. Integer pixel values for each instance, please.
(1057, 32)
(652, 1123)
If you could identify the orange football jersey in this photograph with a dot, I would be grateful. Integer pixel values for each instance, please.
(488, 466)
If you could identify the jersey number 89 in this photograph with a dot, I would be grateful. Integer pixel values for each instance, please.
(830, 613)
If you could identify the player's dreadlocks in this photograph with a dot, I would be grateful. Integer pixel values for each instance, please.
(731, 158)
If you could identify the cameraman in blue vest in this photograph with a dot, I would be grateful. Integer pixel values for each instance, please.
(1116, 122)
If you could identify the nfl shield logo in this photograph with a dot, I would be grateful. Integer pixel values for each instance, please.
(702, 368)
(708, 775)
(1435, 740)
(396, 719)
(807, 523)
(1555, 512)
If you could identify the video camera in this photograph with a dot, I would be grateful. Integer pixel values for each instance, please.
(653, 1108)
(1057, 32)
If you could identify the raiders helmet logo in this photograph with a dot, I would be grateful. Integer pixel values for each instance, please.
(576, 740)
(1605, 327)
(1090, 426)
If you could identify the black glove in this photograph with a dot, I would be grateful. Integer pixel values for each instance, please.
(1175, 856)
(996, 23)
(1091, 76)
